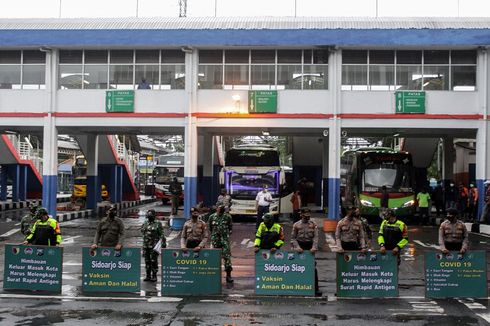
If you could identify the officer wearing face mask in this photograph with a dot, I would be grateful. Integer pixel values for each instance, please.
(453, 235)
(152, 232)
(109, 232)
(270, 235)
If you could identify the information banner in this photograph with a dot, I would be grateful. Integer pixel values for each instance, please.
(107, 270)
(369, 275)
(284, 273)
(455, 275)
(191, 273)
(35, 268)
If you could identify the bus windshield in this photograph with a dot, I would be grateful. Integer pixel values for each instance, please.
(252, 157)
(246, 186)
(396, 177)
(166, 174)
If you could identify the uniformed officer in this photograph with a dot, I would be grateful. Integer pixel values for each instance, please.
(152, 232)
(269, 235)
(453, 235)
(305, 237)
(28, 220)
(393, 234)
(45, 231)
(349, 234)
(109, 232)
(220, 227)
(194, 233)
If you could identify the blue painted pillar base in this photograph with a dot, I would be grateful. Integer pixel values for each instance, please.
(190, 194)
(15, 182)
(23, 183)
(207, 191)
(50, 187)
(92, 193)
(481, 197)
(3, 183)
(325, 193)
(119, 184)
(334, 199)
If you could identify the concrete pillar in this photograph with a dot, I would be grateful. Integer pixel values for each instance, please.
(482, 159)
(3, 183)
(92, 157)
(448, 160)
(23, 182)
(335, 150)
(325, 158)
(208, 179)
(50, 165)
(15, 168)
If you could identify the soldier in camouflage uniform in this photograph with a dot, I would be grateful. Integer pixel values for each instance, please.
(28, 221)
(152, 232)
(194, 233)
(220, 227)
(109, 232)
(349, 234)
(453, 234)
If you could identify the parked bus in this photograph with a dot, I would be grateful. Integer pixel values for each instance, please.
(79, 172)
(168, 166)
(247, 169)
(364, 171)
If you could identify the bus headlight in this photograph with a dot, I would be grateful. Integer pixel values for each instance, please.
(366, 203)
(409, 203)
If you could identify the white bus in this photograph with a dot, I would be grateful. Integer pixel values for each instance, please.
(168, 167)
(247, 169)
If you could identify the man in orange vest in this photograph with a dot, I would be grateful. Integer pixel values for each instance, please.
(472, 202)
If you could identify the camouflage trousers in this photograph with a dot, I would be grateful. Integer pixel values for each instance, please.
(151, 260)
(224, 244)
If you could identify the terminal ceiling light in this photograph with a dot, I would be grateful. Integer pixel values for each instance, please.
(265, 133)
(396, 135)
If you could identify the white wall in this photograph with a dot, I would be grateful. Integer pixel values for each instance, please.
(23, 101)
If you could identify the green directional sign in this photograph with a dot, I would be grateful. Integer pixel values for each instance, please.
(367, 275)
(35, 268)
(284, 273)
(455, 275)
(119, 101)
(410, 102)
(108, 270)
(191, 273)
(262, 101)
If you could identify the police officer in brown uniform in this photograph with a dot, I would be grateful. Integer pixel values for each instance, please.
(305, 237)
(453, 235)
(349, 234)
(194, 233)
(109, 232)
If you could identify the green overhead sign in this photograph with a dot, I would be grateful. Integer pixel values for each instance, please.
(107, 270)
(262, 101)
(369, 275)
(455, 275)
(410, 102)
(119, 101)
(35, 268)
(284, 273)
(191, 273)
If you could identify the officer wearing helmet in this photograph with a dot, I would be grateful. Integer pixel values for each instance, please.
(28, 220)
(152, 232)
(269, 235)
(45, 231)
(393, 234)
(220, 226)
(109, 232)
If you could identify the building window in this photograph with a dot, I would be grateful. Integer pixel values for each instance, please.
(22, 69)
(408, 70)
(263, 69)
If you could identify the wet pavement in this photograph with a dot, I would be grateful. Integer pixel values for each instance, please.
(238, 305)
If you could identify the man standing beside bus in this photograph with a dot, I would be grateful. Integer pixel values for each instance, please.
(175, 190)
(262, 203)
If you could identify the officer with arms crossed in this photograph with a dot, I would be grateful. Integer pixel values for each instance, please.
(453, 235)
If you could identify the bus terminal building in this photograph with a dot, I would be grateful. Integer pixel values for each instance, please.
(196, 77)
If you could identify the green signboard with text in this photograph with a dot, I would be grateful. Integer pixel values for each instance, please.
(107, 270)
(455, 275)
(191, 273)
(35, 268)
(284, 273)
(262, 101)
(367, 275)
(119, 101)
(410, 102)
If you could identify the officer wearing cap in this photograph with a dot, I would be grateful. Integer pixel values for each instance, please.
(220, 227)
(45, 231)
(194, 233)
(305, 237)
(349, 234)
(152, 232)
(109, 232)
(28, 220)
(269, 235)
(453, 235)
(393, 234)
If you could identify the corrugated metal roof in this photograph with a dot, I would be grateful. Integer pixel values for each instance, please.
(244, 23)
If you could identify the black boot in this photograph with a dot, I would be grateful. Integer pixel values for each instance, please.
(148, 276)
(153, 276)
(228, 277)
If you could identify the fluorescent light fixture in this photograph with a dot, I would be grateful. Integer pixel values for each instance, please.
(265, 133)
(396, 135)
